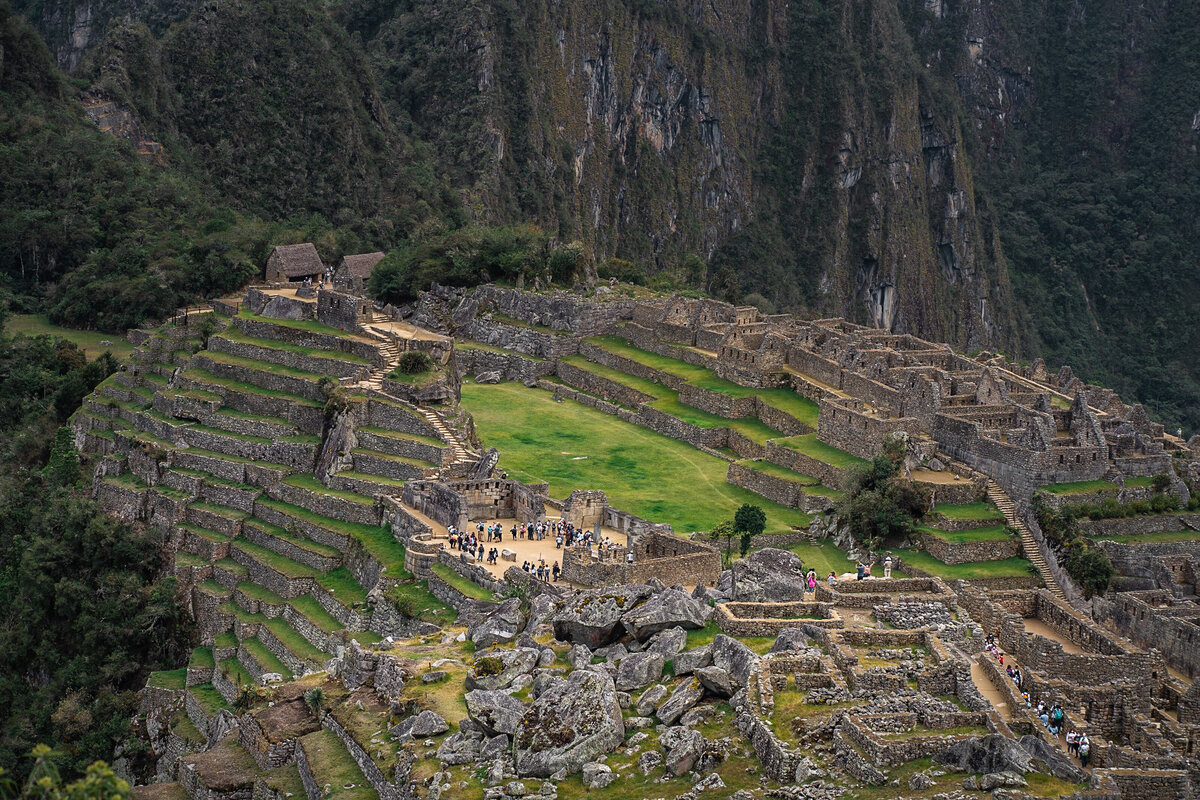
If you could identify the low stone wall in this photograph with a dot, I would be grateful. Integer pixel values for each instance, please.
(327, 505)
(777, 490)
(856, 431)
(371, 464)
(768, 619)
(521, 339)
(284, 383)
(467, 606)
(953, 493)
(885, 752)
(1139, 616)
(393, 416)
(667, 425)
(264, 329)
(964, 552)
(796, 461)
(334, 367)
(605, 388)
(1137, 526)
(512, 366)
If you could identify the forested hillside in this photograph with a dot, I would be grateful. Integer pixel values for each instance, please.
(1004, 174)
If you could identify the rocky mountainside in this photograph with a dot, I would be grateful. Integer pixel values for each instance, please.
(1005, 175)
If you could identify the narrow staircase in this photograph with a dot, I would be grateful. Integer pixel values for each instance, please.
(447, 434)
(1028, 544)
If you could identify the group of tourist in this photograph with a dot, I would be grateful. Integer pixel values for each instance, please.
(469, 543)
(1051, 715)
(541, 571)
(863, 570)
(326, 277)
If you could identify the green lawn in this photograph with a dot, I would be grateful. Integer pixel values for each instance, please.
(208, 698)
(824, 557)
(572, 447)
(87, 341)
(341, 584)
(234, 335)
(1009, 567)
(785, 400)
(981, 509)
(464, 585)
(776, 471)
(168, 679)
(991, 533)
(814, 448)
(1080, 487)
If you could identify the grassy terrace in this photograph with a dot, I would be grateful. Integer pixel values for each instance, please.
(203, 533)
(992, 533)
(311, 610)
(667, 401)
(412, 462)
(87, 341)
(411, 437)
(395, 483)
(261, 366)
(281, 564)
(978, 510)
(168, 679)
(332, 765)
(234, 459)
(234, 335)
(1079, 487)
(199, 375)
(236, 673)
(464, 585)
(260, 594)
(1008, 568)
(310, 325)
(225, 640)
(489, 349)
(208, 698)
(202, 658)
(378, 542)
(127, 480)
(342, 585)
(572, 446)
(785, 400)
(776, 471)
(310, 483)
(220, 511)
(814, 448)
(293, 641)
(298, 541)
(265, 658)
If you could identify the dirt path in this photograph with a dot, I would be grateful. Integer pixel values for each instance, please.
(1042, 629)
(993, 695)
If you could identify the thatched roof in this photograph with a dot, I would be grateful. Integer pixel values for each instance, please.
(360, 266)
(297, 260)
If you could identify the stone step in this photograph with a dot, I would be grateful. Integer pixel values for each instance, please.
(280, 574)
(258, 660)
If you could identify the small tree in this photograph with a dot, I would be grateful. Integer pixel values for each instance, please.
(744, 544)
(724, 530)
(206, 327)
(414, 362)
(1161, 482)
(63, 466)
(750, 520)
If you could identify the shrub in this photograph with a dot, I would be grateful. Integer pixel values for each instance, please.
(414, 362)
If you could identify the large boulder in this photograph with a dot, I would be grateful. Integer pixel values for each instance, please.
(767, 576)
(684, 747)
(669, 642)
(494, 712)
(421, 726)
(594, 618)
(667, 608)
(639, 669)
(716, 681)
(569, 725)
(686, 695)
(790, 639)
(689, 661)
(734, 657)
(500, 669)
(986, 754)
(499, 627)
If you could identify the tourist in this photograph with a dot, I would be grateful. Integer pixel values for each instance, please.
(832, 579)
(812, 581)
(556, 571)
(867, 570)
(1056, 719)
(1085, 750)
(1071, 735)
(558, 541)
(887, 567)
(860, 567)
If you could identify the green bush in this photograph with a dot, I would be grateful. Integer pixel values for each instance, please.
(414, 362)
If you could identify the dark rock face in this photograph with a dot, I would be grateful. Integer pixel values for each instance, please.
(594, 618)
(790, 639)
(570, 724)
(767, 576)
(986, 754)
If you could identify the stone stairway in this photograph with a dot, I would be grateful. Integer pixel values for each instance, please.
(447, 434)
(1028, 544)
(389, 350)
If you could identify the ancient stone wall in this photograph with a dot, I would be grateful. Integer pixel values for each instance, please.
(343, 311)
(963, 552)
(856, 431)
(306, 338)
(1139, 616)
(1137, 526)
(768, 619)
(333, 367)
(605, 388)
(521, 339)
(512, 366)
(796, 461)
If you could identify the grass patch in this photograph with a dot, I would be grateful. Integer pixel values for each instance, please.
(87, 341)
(310, 325)
(234, 335)
(225, 640)
(202, 658)
(814, 448)
(209, 698)
(293, 641)
(412, 437)
(168, 679)
(1079, 487)
(341, 584)
(464, 585)
(310, 483)
(236, 673)
(254, 365)
(198, 375)
(260, 594)
(1007, 568)
(572, 446)
(265, 658)
(281, 564)
(332, 765)
(220, 511)
(214, 589)
(127, 480)
(414, 600)
(378, 542)
(308, 607)
(992, 533)
(824, 557)
(776, 471)
(978, 510)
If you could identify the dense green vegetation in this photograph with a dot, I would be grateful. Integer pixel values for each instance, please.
(1088, 566)
(880, 504)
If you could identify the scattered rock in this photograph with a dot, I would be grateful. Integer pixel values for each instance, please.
(500, 669)
(650, 700)
(434, 676)
(982, 755)
(669, 642)
(649, 761)
(683, 747)
(790, 639)
(716, 681)
(734, 657)
(579, 656)
(919, 781)
(713, 781)
(697, 716)
(491, 376)
(638, 670)
(597, 776)
(425, 724)
(686, 695)
(494, 748)
(459, 748)
(996, 780)
(594, 618)
(689, 661)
